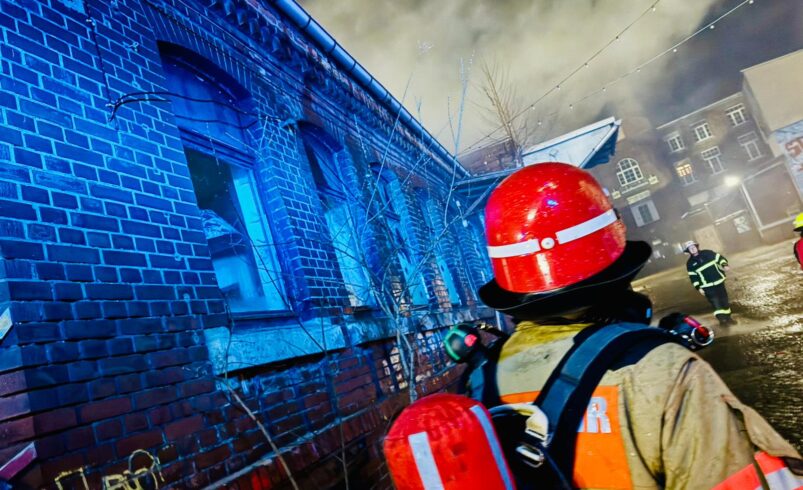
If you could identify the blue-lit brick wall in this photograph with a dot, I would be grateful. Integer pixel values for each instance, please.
(110, 311)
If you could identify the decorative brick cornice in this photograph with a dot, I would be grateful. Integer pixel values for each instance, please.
(253, 19)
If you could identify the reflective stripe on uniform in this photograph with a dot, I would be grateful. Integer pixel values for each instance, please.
(774, 470)
(699, 272)
(724, 311)
(709, 284)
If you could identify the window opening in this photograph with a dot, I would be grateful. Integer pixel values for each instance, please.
(675, 143)
(211, 113)
(712, 158)
(628, 172)
(340, 221)
(702, 132)
(685, 172)
(388, 187)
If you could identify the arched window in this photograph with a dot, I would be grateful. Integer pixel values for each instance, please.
(336, 198)
(390, 204)
(628, 171)
(212, 113)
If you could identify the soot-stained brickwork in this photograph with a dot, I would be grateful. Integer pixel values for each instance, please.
(228, 259)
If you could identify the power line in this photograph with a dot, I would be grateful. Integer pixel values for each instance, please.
(555, 87)
(673, 49)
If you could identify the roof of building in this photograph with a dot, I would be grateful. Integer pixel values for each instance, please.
(701, 109)
(586, 147)
(775, 87)
(489, 158)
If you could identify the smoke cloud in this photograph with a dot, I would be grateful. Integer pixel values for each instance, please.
(416, 47)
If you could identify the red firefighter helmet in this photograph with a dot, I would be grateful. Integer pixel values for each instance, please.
(552, 230)
(446, 441)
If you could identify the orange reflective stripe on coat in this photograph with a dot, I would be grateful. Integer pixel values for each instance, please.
(775, 472)
(600, 459)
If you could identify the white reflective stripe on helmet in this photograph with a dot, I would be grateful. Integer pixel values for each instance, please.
(493, 443)
(514, 249)
(425, 461)
(563, 236)
(587, 227)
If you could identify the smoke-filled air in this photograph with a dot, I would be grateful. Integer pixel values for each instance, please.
(416, 49)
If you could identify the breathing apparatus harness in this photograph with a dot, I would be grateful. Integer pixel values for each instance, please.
(538, 439)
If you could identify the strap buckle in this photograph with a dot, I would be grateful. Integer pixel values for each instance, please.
(531, 456)
(536, 439)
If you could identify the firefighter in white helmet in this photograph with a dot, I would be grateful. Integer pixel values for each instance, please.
(707, 270)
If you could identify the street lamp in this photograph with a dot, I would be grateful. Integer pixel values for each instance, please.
(732, 181)
(735, 181)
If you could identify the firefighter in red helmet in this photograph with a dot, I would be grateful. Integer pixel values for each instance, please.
(798, 247)
(660, 417)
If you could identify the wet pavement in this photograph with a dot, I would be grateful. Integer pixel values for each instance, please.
(761, 358)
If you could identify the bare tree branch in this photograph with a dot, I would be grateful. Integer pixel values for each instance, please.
(503, 104)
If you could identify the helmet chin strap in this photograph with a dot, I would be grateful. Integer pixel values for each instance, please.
(569, 317)
(627, 306)
(630, 307)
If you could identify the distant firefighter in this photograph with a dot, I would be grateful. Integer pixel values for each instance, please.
(707, 271)
(798, 248)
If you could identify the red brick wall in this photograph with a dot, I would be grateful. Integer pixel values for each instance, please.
(107, 290)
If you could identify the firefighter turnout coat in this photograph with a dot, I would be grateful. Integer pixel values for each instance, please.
(667, 421)
(706, 269)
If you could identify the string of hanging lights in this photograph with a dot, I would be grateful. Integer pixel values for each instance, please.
(637, 69)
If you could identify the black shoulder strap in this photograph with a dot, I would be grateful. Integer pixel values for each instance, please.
(566, 393)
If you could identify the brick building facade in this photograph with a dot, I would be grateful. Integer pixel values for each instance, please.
(708, 176)
(727, 174)
(215, 227)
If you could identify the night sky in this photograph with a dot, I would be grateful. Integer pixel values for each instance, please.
(416, 49)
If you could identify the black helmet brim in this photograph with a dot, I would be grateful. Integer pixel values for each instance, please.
(602, 285)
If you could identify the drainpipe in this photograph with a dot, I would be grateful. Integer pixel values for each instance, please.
(347, 63)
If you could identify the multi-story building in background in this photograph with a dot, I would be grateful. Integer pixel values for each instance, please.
(713, 152)
(709, 175)
(772, 91)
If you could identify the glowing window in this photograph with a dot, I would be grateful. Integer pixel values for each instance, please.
(685, 172)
